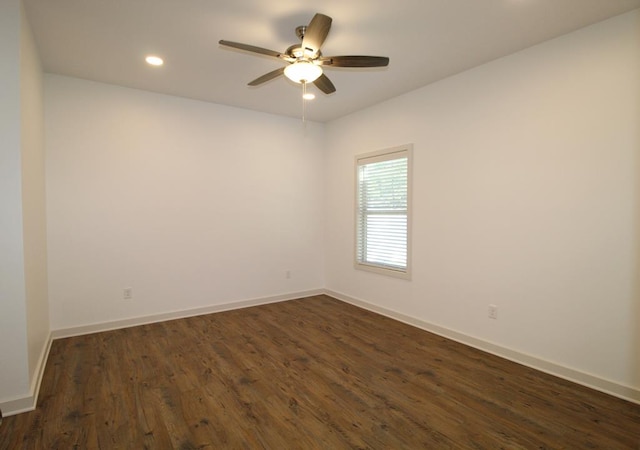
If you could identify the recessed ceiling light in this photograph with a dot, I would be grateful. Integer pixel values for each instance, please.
(309, 96)
(154, 60)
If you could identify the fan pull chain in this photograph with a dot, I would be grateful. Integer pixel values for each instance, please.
(304, 102)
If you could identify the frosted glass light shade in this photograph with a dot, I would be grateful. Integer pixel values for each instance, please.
(303, 71)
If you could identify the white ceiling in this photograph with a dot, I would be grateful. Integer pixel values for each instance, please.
(426, 40)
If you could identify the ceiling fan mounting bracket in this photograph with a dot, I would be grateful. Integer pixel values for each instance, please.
(300, 31)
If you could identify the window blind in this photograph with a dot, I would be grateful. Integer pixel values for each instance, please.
(382, 211)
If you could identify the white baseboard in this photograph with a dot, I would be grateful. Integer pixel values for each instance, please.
(28, 403)
(19, 405)
(135, 321)
(594, 382)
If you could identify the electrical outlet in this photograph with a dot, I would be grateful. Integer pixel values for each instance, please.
(493, 312)
(127, 294)
(287, 274)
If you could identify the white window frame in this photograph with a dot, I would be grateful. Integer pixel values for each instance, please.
(379, 156)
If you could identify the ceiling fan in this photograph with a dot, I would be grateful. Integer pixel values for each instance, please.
(306, 60)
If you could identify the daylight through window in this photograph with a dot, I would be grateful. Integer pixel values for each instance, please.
(383, 201)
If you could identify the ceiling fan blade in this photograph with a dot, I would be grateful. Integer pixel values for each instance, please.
(324, 84)
(267, 76)
(354, 61)
(316, 32)
(252, 48)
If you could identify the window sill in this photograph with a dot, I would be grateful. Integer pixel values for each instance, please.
(403, 274)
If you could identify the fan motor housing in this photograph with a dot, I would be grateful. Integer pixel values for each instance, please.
(296, 51)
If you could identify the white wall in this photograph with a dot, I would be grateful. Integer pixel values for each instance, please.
(14, 379)
(527, 192)
(33, 199)
(24, 314)
(191, 204)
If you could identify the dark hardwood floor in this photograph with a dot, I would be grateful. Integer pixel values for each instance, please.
(310, 373)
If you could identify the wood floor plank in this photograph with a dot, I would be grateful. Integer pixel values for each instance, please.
(305, 374)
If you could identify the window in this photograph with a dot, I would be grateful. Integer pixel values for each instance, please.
(383, 197)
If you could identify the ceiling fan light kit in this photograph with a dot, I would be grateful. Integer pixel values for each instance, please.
(305, 60)
(303, 71)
